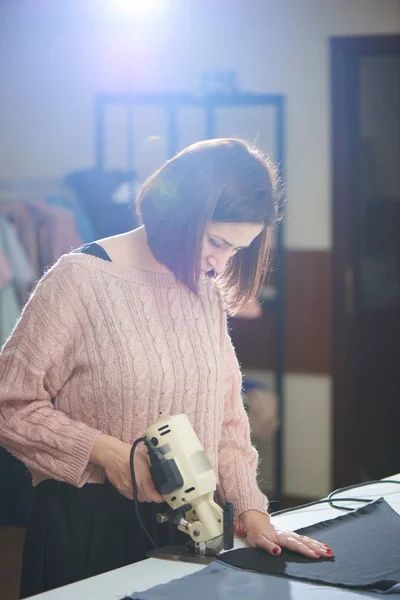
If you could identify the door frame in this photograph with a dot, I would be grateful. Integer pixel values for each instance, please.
(345, 53)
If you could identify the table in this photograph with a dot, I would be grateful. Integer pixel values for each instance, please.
(148, 573)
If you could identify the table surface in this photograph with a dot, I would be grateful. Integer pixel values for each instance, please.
(148, 573)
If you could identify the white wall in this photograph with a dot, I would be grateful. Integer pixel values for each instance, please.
(51, 66)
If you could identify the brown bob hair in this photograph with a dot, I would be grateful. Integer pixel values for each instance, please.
(226, 180)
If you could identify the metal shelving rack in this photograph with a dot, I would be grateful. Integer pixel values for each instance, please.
(172, 103)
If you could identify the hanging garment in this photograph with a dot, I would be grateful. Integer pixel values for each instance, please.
(14, 476)
(9, 311)
(366, 543)
(61, 237)
(5, 269)
(26, 224)
(46, 232)
(23, 273)
(67, 200)
(55, 233)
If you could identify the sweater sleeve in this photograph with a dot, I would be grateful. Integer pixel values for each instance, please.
(238, 459)
(35, 363)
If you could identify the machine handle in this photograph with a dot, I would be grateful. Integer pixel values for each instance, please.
(228, 525)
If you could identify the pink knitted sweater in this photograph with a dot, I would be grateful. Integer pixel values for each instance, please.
(101, 348)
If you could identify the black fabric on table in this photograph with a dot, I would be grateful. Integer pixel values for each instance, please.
(366, 545)
(219, 581)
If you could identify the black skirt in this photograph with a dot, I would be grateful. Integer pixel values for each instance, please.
(75, 533)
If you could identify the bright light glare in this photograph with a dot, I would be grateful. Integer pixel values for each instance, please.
(133, 7)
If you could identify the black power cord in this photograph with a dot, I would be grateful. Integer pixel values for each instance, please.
(331, 500)
(134, 486)
(353, 487)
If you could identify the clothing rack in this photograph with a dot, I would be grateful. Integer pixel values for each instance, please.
(172, 103)
(42, 212)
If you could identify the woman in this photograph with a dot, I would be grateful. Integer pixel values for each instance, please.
(124, 332)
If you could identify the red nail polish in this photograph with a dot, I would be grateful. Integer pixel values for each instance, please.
(275, 551)
(329, 551)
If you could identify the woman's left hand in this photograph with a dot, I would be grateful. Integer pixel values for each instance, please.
(261, 533)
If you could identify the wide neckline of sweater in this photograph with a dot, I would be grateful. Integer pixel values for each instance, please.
(135, 275)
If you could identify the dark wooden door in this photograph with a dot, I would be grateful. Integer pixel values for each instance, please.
(366, 257)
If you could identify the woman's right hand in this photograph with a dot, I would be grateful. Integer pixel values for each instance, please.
(114, 457)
